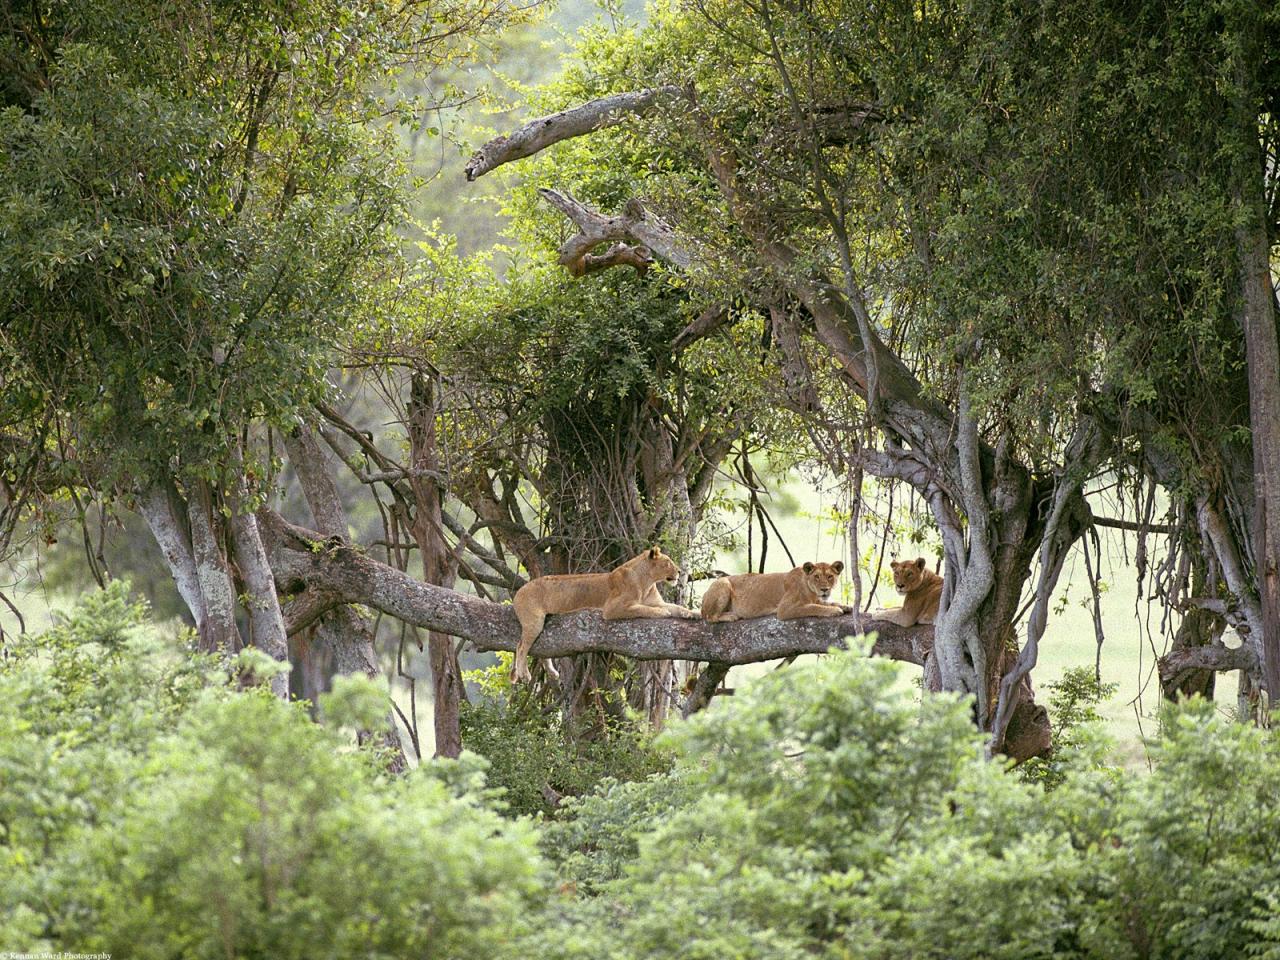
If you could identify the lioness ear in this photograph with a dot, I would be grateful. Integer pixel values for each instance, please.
(919, 563)
(653, 553)
(838, 566)
(808, 567)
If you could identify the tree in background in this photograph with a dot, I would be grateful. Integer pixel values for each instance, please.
(957, 227)
(197, 201)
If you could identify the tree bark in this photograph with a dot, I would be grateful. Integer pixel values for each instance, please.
(704, 687)
(266, 622)
(1258, 320)
(439, 566)
(340, 639)
(161, 507)
(1263, 355)
(222, 634)
(537, 135)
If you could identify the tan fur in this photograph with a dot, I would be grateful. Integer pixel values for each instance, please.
(627, 592)
(921, 589)
(801, 593)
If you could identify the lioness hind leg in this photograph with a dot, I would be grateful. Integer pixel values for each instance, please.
(717, 601)
(532, 618)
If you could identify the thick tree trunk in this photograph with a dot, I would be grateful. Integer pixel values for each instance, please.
(340, 640)
(439, 566)
(161, 507)
(219, 595)
(266, 622)
(1259, 321)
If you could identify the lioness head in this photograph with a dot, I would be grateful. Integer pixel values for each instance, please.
(907, 574)
(821, 577)
(661, 567)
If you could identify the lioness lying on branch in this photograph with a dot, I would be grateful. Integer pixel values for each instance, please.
(627, 592)
(803, 592)
(921, 590)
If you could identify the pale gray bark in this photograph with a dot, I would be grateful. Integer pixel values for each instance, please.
(310, 462)
(1244, 613)
(161, 508)
(266, 622)
(211, 569)
(537, 135)
(634, 225)
(961, 654)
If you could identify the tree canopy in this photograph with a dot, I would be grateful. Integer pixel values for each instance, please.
(967, 265)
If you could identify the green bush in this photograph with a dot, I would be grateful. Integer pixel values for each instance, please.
(1073, 711)
(819, 814)
(150, 809)
(535, 756)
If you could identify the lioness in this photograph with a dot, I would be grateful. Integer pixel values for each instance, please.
(922, 589)
(627, 592)
(801, 593)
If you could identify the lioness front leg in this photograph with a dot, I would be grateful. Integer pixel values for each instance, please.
(813, 610)
(653, 598)
(896, 615)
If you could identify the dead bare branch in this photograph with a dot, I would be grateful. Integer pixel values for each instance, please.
(537, 135)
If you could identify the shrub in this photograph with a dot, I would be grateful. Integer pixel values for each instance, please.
(1073, 711)
(151, 809)
(819, 813)
(536, 757)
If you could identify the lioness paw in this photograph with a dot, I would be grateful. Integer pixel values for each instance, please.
(520, 672)
(687, 614)
(845, 608)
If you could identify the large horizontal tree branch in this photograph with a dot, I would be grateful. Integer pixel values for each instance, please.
(305, 559)
(537, 135)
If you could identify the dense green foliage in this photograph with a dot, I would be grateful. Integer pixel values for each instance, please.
(816, 814)
(197, 200)
(1073, 708)
(536, 755)
(153, 809)
(150, 809)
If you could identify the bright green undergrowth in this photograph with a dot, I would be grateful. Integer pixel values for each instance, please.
(150, 807)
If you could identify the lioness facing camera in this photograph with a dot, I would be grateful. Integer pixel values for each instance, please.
(922, 592)
(801, 593)
(627, 592)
